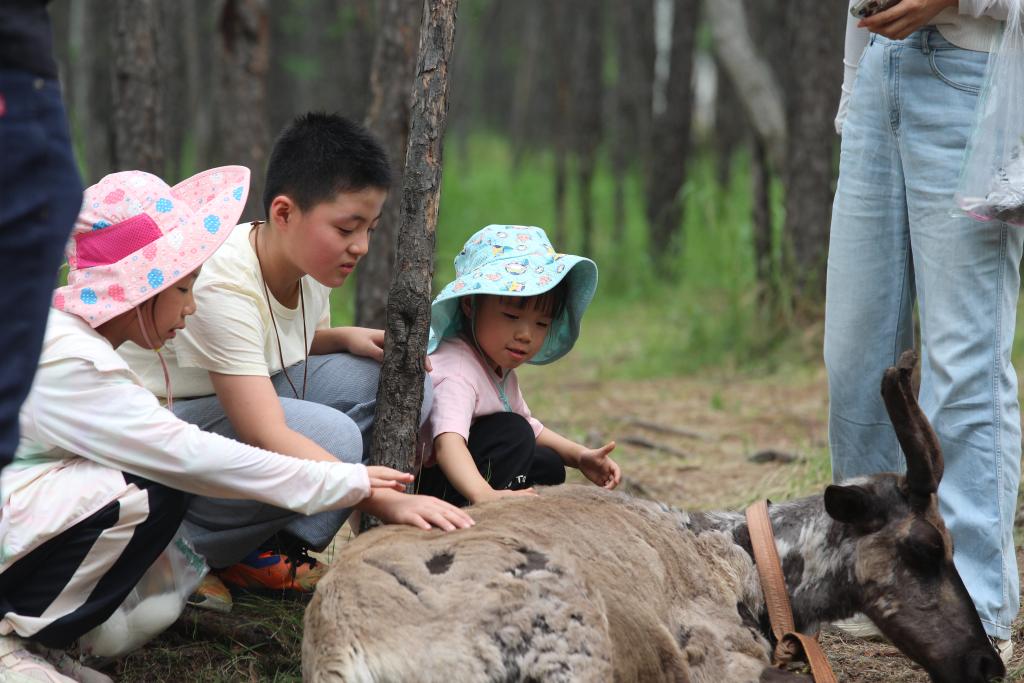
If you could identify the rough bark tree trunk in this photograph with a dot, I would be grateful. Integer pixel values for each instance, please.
(391, 80)
(588, 89)
(526, 80)
(92, 84)
(400, 392)
(633, 98)
(818, 40)
(195, 71)
(350, 44)
(244, 36)
(671, 142)
(562, 27)
(284, 105)
(561, 231)
(137, 98)
(764, 262)
(60, 25)
(172, 60)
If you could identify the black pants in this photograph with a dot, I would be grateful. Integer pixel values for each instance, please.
(506, 454)
(36, 581)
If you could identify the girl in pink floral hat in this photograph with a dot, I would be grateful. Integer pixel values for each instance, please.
(94, 494)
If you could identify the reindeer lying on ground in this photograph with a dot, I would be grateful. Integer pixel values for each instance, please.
(585, 585)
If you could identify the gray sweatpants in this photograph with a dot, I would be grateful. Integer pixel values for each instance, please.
(341, 396)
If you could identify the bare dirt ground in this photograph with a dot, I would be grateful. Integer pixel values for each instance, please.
(687, 442)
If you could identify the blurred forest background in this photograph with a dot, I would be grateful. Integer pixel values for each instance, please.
(687, 146)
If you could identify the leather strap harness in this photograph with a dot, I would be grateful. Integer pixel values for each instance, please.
(789, 643)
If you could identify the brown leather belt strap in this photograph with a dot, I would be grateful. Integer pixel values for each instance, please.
(769, 568)
(789, 643)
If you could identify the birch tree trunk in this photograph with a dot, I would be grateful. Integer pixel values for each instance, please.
(244, 37)
(394, 67)
(137, 106)
(400, 392)
(754, 79)
(752, 50)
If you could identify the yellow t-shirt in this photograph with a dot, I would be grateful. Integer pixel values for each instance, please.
(231, 331)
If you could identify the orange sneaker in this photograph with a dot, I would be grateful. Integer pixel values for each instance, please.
(211, 594)
(268, 572)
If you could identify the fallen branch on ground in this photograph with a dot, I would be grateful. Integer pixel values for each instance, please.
(667, 429)
(641, 442)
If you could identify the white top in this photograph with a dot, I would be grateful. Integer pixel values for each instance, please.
(88, 417)
(973, 26)
(231, 331)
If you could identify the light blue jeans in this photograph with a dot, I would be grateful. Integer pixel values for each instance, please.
(894, 240)
(337, 413)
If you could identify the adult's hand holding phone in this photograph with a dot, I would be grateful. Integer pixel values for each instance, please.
(905, 17)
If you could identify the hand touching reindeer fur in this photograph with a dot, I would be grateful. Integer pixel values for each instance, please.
(585, 584)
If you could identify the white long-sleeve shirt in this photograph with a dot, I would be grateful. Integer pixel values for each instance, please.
(88, 417)
(972, 26)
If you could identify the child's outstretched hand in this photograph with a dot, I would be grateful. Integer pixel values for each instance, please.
(599, 468)
(387, 478)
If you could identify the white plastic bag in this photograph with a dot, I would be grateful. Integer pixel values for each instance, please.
(154, 604)
(992, 178)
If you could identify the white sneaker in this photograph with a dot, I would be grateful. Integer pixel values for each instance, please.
(18, 665)
(1004, 647)
(859, 626)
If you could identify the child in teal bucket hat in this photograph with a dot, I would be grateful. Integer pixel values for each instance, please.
(514, 300)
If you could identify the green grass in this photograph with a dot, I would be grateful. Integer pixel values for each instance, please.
(259, 641)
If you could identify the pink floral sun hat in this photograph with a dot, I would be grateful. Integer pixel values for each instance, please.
(136, 236)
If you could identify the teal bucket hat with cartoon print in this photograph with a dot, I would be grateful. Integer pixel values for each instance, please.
(516, 260)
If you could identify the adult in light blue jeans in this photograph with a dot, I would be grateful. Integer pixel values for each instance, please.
(895, 240)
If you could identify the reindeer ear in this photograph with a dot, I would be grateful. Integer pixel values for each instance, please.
(854, 505)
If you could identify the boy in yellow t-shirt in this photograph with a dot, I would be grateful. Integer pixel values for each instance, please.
(260, 362)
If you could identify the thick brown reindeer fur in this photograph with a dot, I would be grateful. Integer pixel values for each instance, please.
(581, 584)
(554, 588)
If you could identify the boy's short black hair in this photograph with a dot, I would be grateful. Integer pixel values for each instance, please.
(318, 155)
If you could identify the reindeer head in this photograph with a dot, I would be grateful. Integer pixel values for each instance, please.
(904, 558)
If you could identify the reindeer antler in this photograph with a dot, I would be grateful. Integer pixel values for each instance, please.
(916, 436)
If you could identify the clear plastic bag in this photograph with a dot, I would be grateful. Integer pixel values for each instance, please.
(992, 178)
(152, 606)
